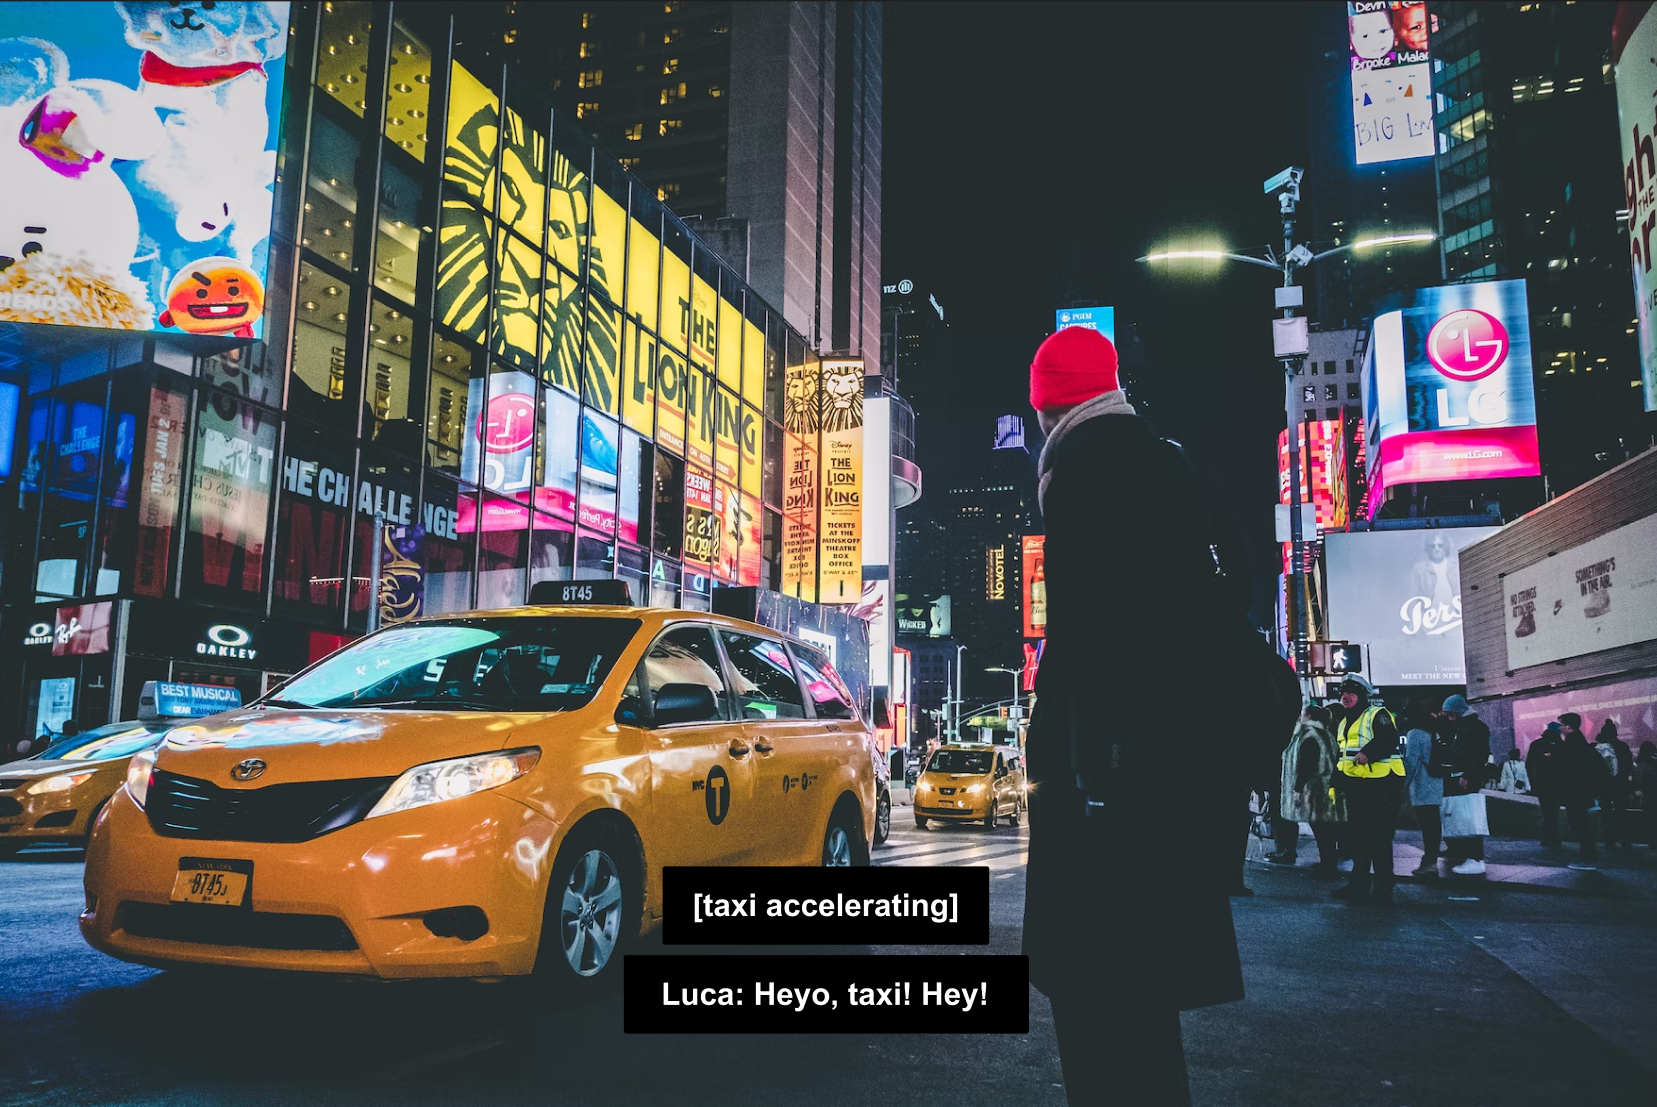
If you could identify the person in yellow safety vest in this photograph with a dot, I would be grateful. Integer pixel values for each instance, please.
(1370, 774)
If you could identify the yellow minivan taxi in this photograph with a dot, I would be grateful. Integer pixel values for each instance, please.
(482, 795)
(55, 795)
(962, 783)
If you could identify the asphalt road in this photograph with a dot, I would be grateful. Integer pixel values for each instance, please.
(1457, 998)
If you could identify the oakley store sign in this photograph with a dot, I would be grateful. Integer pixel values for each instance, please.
(192, 634)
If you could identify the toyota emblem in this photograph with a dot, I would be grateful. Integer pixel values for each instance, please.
(247, 770)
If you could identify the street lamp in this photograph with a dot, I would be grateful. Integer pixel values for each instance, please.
(1292, 352)
(960, 695)
(1012, 716)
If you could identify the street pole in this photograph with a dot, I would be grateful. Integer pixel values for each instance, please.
(376, 567)
(960, 694)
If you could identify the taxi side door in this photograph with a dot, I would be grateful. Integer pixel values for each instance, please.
(837, 738)
(788, 776)
(701, 764)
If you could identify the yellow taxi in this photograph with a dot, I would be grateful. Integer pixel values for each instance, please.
(483, 795)
(56, 795)
(962, 783)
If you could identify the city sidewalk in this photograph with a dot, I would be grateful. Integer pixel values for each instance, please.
(1515, 864)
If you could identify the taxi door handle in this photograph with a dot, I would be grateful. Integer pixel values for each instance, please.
(738, 748)
(762, 747)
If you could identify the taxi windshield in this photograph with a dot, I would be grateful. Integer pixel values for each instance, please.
(960, 761)
(513, 664)
(103, 744)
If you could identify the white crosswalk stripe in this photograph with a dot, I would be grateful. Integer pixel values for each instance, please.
(999, 849)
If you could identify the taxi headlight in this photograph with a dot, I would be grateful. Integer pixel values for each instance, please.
(140, 774)
(461, 776)
(971, 789)
(61, 783)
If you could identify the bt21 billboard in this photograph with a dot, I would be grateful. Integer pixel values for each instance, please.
(137, 160)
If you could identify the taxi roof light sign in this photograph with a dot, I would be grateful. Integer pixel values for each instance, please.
(161, 699)
(617, 593)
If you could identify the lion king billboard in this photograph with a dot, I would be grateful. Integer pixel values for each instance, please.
(137, 159)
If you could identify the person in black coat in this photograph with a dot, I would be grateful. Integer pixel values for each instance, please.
(1544, 763)
(1123, 936)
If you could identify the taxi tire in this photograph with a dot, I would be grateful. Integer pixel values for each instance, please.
(845, 819)
(990, 820)
(552, 966)
(883, 819)
(920, 822)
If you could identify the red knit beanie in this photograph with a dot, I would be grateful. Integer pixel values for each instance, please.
(1072, 366)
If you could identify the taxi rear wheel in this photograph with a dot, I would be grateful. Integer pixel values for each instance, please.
(883, 818)
(990, 820)
(592, 911)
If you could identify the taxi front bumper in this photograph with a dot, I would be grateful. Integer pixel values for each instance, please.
(359, 900)
(935, 806)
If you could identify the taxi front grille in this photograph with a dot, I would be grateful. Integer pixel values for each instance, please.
(9, 808)
(228, 926)
(11, 782)
(187, 807)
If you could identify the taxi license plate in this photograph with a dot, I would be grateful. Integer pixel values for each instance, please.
(212, 880)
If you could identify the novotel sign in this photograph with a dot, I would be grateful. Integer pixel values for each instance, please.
(227, 640)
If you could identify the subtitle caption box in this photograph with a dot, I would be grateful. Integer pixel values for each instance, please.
(827, 994)
(890, 905)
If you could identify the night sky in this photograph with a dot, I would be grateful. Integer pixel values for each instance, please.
(1033, 151)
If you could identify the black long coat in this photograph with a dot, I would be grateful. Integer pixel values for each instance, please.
(1151, 692)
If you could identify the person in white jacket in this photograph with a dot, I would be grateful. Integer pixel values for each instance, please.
(1515, 779)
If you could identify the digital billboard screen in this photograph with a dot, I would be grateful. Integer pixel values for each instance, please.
(1399, 592)
(1392, 85)
(136, 163)
(1101, 319)
(1451, 392)
(1634, 44)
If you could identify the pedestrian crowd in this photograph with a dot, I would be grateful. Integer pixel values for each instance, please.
(1350, 767)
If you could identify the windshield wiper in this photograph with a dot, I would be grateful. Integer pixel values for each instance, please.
(286, 703)
(432, 705)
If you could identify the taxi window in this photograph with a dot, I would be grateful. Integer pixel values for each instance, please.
(960, 761)
(687, 655)
(519, 664)
(103, 744)
(824, 686)
(765, 683)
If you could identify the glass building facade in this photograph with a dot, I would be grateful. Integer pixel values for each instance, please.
(478, 326)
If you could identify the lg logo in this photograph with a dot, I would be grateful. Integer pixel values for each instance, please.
(1467, 345)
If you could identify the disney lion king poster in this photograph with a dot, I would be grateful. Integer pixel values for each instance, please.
(137, 160)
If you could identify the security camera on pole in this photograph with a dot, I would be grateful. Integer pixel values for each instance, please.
(1291, 343)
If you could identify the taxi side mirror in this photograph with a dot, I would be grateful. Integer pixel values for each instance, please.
(685, 703)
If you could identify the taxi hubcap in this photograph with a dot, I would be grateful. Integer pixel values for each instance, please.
(590, 918)
(837, 851)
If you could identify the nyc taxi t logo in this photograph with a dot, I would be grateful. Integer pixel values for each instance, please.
(716, 790)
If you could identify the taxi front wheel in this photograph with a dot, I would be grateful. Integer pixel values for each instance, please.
(592, 912)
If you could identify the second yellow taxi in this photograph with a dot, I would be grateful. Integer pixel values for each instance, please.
(488, 794)
(965, 783)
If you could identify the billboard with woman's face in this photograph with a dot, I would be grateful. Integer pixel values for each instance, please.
(137, 158)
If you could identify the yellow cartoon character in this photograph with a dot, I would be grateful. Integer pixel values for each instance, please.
(215, 296)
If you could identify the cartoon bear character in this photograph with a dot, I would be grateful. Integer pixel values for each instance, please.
(215, 296)
(203, 70)
(60, 197)
(1371, 34)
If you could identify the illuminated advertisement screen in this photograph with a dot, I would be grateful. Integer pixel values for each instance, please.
(1451, 394)
(1392, 86)
(1632, 48)
(1101, 319)
(1034, 585)
(136, 166)
(1326, 465)
(1399, 592)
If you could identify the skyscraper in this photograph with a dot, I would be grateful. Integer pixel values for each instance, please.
(762, 119)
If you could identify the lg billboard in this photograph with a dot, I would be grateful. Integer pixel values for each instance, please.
(137, 156)
(1451, 395)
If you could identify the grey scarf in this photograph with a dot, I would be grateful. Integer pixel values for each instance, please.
(1114, 402)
